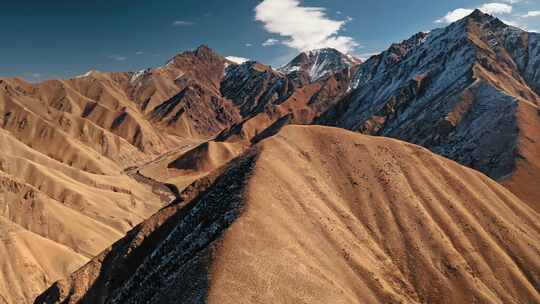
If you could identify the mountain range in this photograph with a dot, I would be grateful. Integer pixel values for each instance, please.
(411, 177)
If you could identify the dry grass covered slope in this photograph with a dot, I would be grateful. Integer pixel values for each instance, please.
(323, 215)
(66, 145)
(29, 261)
(74, 213)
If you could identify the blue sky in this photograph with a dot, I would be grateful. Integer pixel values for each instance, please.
(64, 38)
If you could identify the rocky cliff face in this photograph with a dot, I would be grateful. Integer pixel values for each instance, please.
(253, 86)
(268, 99)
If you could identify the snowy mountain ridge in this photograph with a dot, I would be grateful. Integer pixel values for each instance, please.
(456, 90)
(320, 63)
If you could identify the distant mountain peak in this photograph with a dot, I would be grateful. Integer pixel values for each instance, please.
(479, 17)
(319, 63)
(478, 13)
(203, 52)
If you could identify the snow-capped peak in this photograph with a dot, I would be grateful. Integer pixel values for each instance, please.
(139, 74)
(320, 63)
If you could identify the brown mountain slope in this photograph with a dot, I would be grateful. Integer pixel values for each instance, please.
(323, 215)
(127, 116)
(525, 179)
(267, 100)
(74, 213)
(184, 166)
(29, 261)
(183, 97)
(66, 145)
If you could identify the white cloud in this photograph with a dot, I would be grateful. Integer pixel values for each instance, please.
(248, 45)
(519, 24)
(305, 28)
(33, 75)
(496, 8)
(236, 59)
(513, 1)
(139, 52)
(455, 15)
(511, 23)
(118, 57)
(270, 42)
(182, 23)
(532, 14)
(488, 8)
